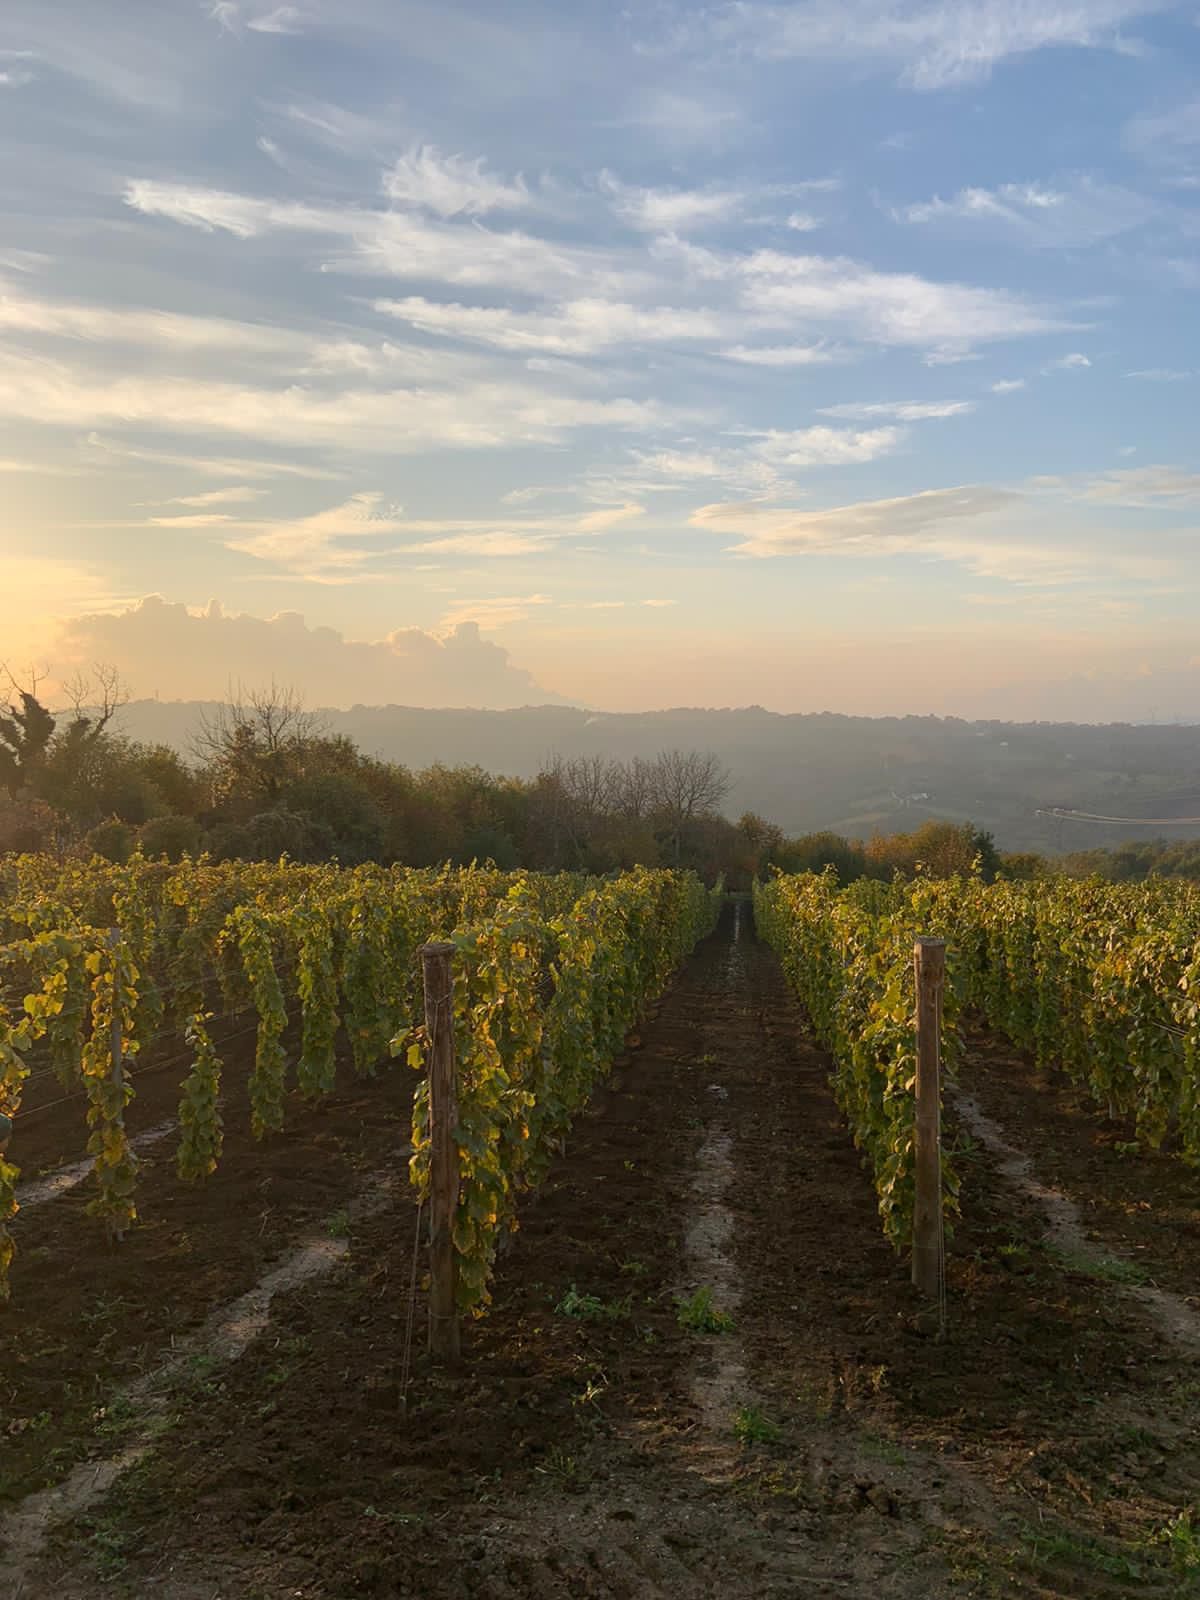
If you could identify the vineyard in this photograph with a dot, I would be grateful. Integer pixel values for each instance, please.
(103, 966)
(692, 1359)
(1100, 980)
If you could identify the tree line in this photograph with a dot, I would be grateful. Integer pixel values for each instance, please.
(264, 778)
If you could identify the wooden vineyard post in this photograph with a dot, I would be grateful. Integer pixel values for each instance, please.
(116, 1044)
(116, 1040)
(443, 1151)
(929, 961)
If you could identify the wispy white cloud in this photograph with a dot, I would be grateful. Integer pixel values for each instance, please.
(452, 185)
(494, 612)
(1162, 374)
(866, 527)
(929, 44)
(949, 355)
(785, 355)
(283, 19)
(194, 519)
(1072, 214)
(330, 543)
(579, 327)
(176, 331)
(827, 447)
(405, 421)
(1147, 487)
(899, 410)
(681, 465)
(1074, 362)
(827, 293)
(670, 210)
(103, 449)
(610, 517)
(1008, 385)
(235, 494)
(890, 308)
(393, 243)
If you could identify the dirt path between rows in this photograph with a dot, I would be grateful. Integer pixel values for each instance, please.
(705, 1373)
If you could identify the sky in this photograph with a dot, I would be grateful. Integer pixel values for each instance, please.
(818, 354)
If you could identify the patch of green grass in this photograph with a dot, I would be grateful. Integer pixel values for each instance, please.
(881, 1449)
(1066, 1549)
(199, 1376)
(635, 1269)
(697, 1313)
(115, 1418)
(1101, 1268)
(394, 1518)
(558, 1464)
(110, 1544)
(338, 1225)
(750, 1426)
(1181, 1541)
(590, 1307)
(1014, 1252)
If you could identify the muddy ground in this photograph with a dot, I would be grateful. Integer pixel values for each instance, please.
(704, 1373)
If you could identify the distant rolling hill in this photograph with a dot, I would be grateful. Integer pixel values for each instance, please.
(857, 775)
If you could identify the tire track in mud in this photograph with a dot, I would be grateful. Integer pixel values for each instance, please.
(1065, 1231)
(224, 1337)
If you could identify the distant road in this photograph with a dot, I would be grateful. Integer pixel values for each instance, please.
(1091, 816)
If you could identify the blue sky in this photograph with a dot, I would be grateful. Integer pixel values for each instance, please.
(820, 356)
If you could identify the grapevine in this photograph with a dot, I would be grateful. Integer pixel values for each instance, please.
(268, 1080)
(200, 1121)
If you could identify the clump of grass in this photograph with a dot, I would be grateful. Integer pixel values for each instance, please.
(590, 1307)
(698, 1314)
(1057, 1549)
(750, 1426)
(558, 1464)
(1103, 1269)
(1181, 1537)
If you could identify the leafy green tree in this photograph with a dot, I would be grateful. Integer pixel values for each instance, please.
(171, 836)
(343, 821)
(26, 728)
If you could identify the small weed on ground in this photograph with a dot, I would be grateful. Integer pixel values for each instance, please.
(1065, 1549)
(590, 1307)
(751, 1427)
(558, 1464)
(698, 1314)
(1181, 1540)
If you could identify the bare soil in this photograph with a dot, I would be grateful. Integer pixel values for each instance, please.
(825, 1442)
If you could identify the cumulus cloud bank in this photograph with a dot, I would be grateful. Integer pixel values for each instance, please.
(166, 649)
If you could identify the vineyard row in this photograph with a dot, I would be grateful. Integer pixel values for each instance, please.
(97, 961)
(1100, 979)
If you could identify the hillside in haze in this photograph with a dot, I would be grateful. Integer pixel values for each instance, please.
(857, 775)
